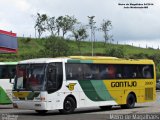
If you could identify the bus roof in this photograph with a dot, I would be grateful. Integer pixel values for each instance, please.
(88, 59)
(92, 57)
(8, 63)
(111, 60)
(42, 60)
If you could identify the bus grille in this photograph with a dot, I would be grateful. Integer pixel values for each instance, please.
(148, 93)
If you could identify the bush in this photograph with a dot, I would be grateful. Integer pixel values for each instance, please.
(139, 56)
(54, 47)
(158, 75)
(155, 58)
(115, 52)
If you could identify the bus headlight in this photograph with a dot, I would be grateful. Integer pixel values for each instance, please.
(42, 98)
(15, 105)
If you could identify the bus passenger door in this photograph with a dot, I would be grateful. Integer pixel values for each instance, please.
(51, 84)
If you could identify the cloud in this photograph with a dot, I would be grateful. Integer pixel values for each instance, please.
(128, 24)
(14, 5)
(22, 5)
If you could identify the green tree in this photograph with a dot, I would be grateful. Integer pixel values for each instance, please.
(59, 24)
(65, 23)
(106, 26)
(51, 25)
(68, 23)
(79, 35)
(40, 25)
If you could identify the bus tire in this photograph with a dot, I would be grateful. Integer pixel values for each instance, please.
(105, 107)
(69, 106)
(41, 111)
(130, 102)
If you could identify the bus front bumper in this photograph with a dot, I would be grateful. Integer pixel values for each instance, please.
(30, 105)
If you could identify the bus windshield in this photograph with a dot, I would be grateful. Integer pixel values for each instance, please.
(30, 77)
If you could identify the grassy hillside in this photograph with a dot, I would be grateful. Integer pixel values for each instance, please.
(31, 48)
(52, 47)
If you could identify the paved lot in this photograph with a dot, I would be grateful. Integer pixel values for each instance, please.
(153, 108)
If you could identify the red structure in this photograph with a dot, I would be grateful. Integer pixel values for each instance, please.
(8, 42)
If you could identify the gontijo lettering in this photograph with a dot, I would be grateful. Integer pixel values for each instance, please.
(124, 84)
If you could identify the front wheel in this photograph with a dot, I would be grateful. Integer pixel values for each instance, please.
(130, 102)
(68, 106)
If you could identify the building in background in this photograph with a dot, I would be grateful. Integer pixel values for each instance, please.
(8, 42)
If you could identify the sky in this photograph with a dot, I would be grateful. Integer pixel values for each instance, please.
(140, 27)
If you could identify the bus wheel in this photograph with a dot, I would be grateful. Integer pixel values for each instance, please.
(41, 111)
(130, 102)
(68, 106)
(105, 107)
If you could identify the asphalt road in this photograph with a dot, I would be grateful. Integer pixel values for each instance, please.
(144, 110)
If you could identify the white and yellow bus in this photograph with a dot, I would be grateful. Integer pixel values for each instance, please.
(79, 81)
(7, 71)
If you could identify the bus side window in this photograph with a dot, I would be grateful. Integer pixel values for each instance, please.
(87, 71)
(1, 73)
(91, 71)
(147, 72)
(130, 71)
(95, 71)
(108, 72)
(5, 73)
(112, 71)
(69, 74)
(119, 71)
(73, 71)
(103, 71)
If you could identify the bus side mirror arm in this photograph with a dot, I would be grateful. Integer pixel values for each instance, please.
(11, 80)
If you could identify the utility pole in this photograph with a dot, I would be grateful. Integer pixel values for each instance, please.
(92, 27)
